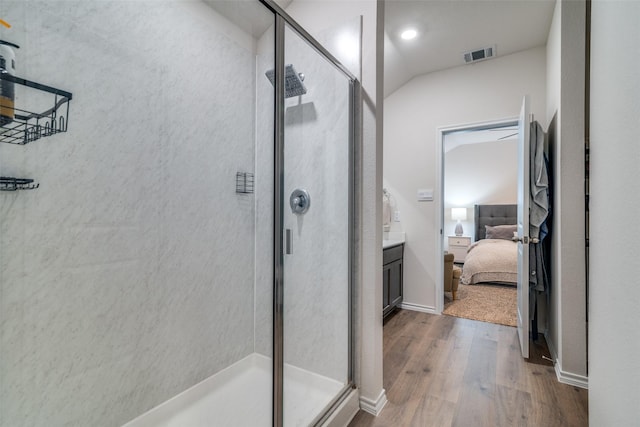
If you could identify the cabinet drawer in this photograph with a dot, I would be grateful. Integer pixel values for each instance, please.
(392, 254)
(459, 241)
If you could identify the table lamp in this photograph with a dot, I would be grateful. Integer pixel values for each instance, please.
(459, 214)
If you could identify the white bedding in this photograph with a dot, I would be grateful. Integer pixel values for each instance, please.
(491, 260)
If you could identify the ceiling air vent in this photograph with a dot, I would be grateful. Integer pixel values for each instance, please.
(480, 54)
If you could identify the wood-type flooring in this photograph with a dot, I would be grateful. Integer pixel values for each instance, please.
(446, 371)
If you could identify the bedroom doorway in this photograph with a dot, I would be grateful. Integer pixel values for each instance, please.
(519, 235)
(467, 152)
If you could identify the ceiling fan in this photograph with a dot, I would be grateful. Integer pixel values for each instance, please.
(503, 129)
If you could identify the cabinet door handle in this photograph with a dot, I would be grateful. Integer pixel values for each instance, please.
(287, 241)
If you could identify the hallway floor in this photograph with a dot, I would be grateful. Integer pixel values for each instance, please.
(445, 371)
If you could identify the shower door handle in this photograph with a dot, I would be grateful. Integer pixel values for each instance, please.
(287, 242)
(300, 201)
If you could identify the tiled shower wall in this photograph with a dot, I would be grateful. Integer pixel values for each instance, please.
(128, 276)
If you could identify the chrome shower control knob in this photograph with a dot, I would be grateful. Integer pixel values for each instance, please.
(300, 201)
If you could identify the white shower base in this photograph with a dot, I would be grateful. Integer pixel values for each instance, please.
(240, 396)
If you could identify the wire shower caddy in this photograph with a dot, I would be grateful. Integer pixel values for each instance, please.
(27, 125)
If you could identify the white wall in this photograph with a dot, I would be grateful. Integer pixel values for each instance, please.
(614, 297)
(316, 16)
(127, 277)
(484, 91)
(565, 99)
(482, 173)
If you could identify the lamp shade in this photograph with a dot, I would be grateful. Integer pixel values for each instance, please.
(459, 214)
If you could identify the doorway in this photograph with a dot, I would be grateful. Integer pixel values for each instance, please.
(465, 153)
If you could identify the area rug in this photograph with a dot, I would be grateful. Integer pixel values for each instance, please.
(487, 303)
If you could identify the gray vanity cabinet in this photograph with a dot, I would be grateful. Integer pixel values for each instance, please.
(391, 278)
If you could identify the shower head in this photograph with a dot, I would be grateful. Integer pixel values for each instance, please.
(292, 81)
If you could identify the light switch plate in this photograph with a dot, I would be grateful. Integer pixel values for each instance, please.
(425, 195)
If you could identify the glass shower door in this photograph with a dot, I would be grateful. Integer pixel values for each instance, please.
(316, 220)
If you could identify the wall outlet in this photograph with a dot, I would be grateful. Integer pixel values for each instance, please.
(396, 216)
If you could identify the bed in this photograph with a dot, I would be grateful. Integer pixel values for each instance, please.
(493, 257)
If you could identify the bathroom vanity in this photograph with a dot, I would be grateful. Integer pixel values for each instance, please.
(392, 256)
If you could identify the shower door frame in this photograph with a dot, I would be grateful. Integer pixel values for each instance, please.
(282, 20)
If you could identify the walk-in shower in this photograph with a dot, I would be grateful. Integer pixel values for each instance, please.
(158, 276)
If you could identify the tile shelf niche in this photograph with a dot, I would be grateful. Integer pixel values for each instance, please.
(27, 125)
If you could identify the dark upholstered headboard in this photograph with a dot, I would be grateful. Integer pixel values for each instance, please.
(494, 215)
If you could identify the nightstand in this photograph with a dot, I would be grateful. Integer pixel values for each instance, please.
(458, 246)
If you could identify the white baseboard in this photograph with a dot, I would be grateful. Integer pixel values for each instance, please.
(570, 378)
(418, 307)
(374, 407)
(563, 376)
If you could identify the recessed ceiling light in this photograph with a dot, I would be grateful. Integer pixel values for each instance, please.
(409, 34)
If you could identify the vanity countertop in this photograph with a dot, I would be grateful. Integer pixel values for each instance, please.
(392, 238)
